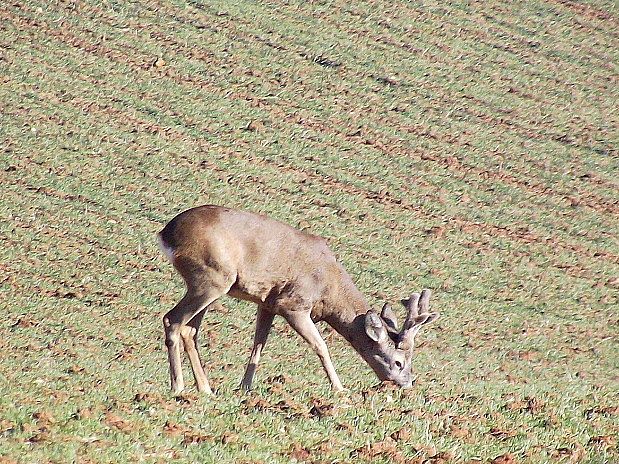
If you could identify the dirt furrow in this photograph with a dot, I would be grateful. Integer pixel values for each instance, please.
(383, 198)
(443, 96)
(591, 13)
(527, 53)
(450, 163)
(528, 237)
(487, 120)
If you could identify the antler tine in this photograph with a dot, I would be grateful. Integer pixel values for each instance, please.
(425, 301)
(412, 309)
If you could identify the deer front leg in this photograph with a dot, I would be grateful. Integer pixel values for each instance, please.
(302, 323)
(264, 321)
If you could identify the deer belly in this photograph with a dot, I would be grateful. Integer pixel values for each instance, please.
(255, 292)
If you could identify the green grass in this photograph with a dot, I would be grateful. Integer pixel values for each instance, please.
(468, 148)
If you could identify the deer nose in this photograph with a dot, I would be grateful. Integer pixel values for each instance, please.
(404, 382)
(408, 383)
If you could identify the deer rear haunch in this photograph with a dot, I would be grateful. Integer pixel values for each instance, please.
(220, 251)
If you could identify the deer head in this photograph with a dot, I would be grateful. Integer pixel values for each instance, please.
(391, 353)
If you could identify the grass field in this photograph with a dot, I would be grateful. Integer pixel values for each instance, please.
(467, 147)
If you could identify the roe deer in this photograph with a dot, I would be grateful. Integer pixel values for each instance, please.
(286, 272)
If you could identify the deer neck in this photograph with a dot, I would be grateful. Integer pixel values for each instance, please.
(347, 310)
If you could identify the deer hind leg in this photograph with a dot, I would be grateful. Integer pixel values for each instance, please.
(189, 335)
(264, 321)
(302, 323)
(177, 327)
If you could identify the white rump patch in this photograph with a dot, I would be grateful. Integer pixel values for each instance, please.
(167, 250)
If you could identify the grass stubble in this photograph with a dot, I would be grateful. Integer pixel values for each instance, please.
(471, 149)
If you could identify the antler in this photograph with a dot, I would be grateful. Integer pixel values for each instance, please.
(412, 311)
(425, 301)
(418, 313)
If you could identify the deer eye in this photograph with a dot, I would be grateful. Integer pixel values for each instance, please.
(399, 364)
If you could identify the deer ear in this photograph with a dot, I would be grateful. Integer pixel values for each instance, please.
(375, 327)
(388, 316)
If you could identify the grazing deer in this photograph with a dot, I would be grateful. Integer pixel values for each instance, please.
(221, 251)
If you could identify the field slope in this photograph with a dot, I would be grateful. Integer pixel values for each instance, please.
(467, 147)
